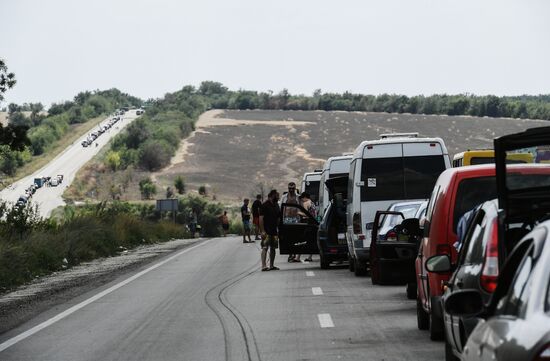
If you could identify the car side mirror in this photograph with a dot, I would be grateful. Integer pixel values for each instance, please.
(369, 225)
(439, 264)
(464, 303)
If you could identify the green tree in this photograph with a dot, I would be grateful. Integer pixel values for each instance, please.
(147, 188)
(179, 183)
(202, 190)
(7, 79)
(113, 160)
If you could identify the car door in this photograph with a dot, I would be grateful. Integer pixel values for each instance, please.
(374, 252)
(491, 335)
(297, 230)
(466, 275)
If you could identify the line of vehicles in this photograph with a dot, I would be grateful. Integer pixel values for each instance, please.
(102, 128)
(470, 242)
(38, 183)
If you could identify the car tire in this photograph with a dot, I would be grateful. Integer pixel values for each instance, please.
(360, 270)
(422, 317)
(324, 262)
(436, 327)
(351, 264)
(411, 290)
(449, 355)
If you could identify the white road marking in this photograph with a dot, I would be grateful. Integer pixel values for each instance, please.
(12, 341)
(317, 291)
(310, 273)
(325, 320)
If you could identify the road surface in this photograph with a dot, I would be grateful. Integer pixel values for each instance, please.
(67, 163)
(212, 302)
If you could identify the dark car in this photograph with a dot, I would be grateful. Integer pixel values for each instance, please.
(517, 325)
(331, 235)
(392, 259)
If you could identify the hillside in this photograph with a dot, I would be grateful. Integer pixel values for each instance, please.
(232, 152)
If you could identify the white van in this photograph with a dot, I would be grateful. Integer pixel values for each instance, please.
(310, 184)
(395, 168)
(334, 167)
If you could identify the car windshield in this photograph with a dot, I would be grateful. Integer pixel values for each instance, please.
(391, 220)
(523, 179)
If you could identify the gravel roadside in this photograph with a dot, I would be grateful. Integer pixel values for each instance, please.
(26, 301)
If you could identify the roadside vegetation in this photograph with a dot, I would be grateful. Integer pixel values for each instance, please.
(31, 246)
(62, 121)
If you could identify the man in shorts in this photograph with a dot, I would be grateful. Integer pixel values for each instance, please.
(245, 214)
(269, 220)
(256, 216)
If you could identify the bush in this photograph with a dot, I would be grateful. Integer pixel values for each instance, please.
(147, 188)
(179, 184)
(154, 155)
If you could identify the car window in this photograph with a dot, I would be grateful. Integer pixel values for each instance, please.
(430, 209)
(421, 173)
(383, 179)
(470, 193)
(474, 251)
(521, 288)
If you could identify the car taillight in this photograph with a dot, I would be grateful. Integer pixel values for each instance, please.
(489, 274)
(361, 237)
(544, 354)
(391, 236)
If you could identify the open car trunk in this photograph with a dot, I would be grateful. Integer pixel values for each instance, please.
(392, 261)
(523, 190)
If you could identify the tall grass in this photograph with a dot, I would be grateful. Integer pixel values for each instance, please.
(37, 247)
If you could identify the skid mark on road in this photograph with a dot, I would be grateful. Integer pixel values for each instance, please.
(230, 318)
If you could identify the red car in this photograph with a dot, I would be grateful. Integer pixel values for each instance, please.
(456, 192)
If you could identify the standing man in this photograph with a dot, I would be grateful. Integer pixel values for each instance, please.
(269, 221)
(256, 215)
(245, 214)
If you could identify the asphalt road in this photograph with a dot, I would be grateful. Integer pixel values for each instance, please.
(67, 163)
(212, 302)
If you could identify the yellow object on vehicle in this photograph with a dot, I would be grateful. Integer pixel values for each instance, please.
(487, 156)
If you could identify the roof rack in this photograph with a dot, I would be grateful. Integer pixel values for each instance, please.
(399, 135)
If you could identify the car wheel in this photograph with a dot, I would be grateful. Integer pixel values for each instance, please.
(351, 264)
(324, 262)
(411, 290)
(449, 355)
(360, 269)
(436, 327)
(422, 318)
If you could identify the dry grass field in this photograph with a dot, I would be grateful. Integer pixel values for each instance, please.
(233, 151)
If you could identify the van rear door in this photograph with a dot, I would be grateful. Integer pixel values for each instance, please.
(297, 230)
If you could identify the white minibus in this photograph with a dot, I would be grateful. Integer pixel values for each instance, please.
(395, 168)
(337, 166)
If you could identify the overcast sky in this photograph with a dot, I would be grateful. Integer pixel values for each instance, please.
(147, 48)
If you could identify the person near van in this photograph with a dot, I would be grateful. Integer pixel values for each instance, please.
(245, 215)
(291, 214)
(256, 216)
(269, 221)
(224, 219)
(307, 203)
